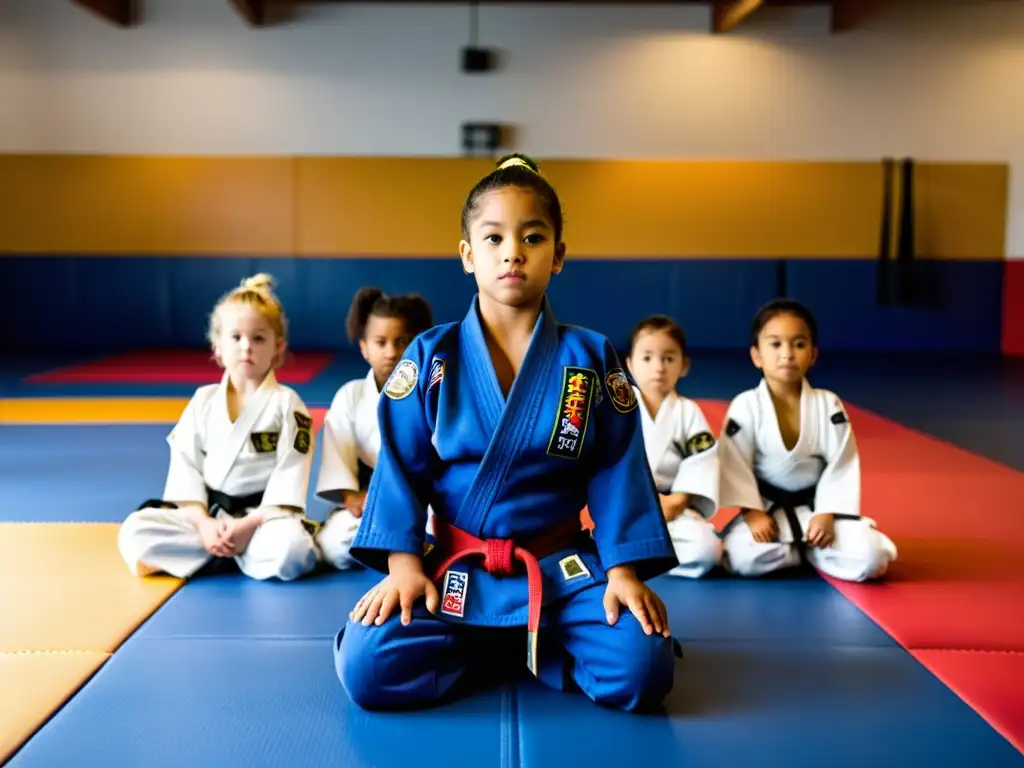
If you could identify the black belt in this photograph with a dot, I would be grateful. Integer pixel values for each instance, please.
(788, 501)
(236, 506)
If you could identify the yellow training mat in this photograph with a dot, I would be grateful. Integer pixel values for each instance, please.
(91, 410)
(64, 587)
(34, 685)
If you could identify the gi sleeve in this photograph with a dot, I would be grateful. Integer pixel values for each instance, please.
(289, 481)
(395, 512)
(698, 473)
(339, 459)
(738, 486)
(629, 527)
(838, 490)
(185, 483)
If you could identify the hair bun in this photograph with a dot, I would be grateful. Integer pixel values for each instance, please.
(257, 282)
(523, 161)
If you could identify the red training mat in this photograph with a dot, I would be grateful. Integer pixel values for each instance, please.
(954, 597)
(989, 681)
(172, 367)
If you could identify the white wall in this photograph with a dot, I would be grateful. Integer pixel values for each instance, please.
(936, 83)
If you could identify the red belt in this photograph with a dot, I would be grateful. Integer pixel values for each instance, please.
(500, 556)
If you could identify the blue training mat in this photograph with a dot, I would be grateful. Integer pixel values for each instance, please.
(80, 473)
(230, 605)
(94, 473)
(778, 672)
(253, 702)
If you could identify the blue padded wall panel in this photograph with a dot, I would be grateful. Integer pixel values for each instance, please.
(98, 304)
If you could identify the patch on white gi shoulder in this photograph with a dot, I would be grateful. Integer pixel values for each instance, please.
(573, 567)
(621, 393)
(731, 428)
(702, 441)
(402, 380)
(573, 414)
(436, 373)
(453, 596)
(838, 417)
(303, 437)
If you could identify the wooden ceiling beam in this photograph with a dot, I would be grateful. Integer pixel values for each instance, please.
(847, 14)
(253, 11)
(729, 14)
(122, 13)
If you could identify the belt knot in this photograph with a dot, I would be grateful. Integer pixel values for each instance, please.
(499, 558)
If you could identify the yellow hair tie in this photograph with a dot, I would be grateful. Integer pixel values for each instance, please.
(513, 161)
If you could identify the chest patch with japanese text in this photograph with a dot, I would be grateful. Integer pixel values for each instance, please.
(573, 415)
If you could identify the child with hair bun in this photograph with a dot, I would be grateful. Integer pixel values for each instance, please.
(240, 459)
(506, 424)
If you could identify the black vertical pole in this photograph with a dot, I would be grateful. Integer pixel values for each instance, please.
(885, 235)
(905, 293)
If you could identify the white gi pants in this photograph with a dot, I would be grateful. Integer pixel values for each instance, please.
(697, 544)
(859, 551)
(335, 538)
(155, 540)
(339, 530)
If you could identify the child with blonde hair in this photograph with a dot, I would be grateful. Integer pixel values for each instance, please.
(240, 459)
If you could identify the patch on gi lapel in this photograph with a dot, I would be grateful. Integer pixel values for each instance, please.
(264, 442)
(731, 428)
(621, 393)
(572, 567)
(573, 412)
(436, 373)
(453, 596)
(702, 441)
(402, 380)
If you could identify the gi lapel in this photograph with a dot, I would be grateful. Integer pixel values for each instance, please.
(512, 426)
(474, 355)
(225, 449)
(781, 458)
(658, 432)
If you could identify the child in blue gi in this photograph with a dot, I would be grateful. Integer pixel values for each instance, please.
(506, 424)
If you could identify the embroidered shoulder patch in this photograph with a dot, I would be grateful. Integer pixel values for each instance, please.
(302, 441)
(573, 412)
(731, 428)
(436, 373)
(402, 380)
(621, 393)
(264, 442)
(702, 441)
(838, 417)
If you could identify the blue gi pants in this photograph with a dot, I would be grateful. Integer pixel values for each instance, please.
(394, 666)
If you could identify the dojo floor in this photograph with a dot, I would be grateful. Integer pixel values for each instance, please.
(100, 669)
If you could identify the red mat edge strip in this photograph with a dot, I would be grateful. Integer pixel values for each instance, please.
(312, 366)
